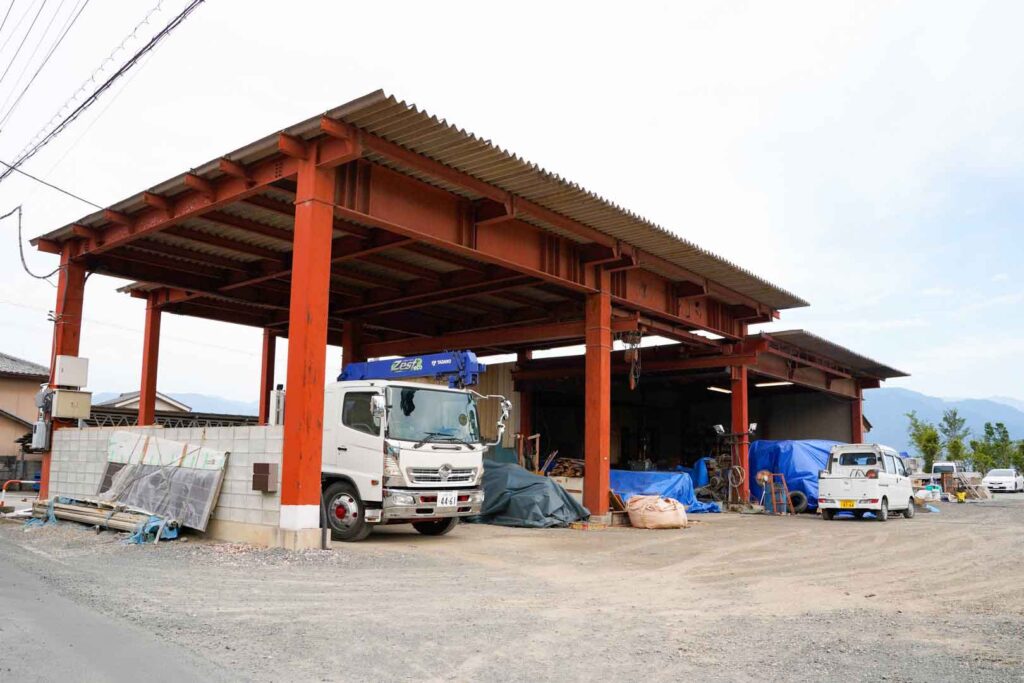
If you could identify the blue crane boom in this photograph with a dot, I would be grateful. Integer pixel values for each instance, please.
(460, 368)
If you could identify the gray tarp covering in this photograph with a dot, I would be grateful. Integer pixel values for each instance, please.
(516, 497)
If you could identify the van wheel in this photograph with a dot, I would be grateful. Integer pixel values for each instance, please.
(346, 514)
(909, 512)
(828, 514)
(437, 527)
(882, 514)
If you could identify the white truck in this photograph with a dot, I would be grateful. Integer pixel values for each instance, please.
(862, 478)
(401, 452)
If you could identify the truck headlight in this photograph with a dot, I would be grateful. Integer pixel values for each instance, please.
(402, 499)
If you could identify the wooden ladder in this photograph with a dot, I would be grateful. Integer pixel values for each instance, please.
(778, 495)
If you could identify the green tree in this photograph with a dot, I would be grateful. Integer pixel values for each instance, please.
(994, 449)
(955, 433)
(926, 439)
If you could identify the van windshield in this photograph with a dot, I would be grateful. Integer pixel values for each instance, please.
(941, 469)
(858, 459)
(431, 415)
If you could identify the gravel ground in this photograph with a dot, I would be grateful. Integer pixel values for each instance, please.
(732, 598)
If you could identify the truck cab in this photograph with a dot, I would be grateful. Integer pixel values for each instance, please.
(399, 452)
(862, 478)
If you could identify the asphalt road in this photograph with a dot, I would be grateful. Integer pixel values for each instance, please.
(47, 637)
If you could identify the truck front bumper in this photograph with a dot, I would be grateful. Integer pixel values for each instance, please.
(416, 504)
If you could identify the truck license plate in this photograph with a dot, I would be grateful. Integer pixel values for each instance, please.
(846, 504)
(447, 499)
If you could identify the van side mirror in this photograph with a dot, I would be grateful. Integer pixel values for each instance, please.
(377, 408)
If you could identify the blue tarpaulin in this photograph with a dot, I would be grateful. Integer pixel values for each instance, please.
(677, 485)
(798, 461)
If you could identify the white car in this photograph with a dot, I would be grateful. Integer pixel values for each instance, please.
(862, 478)
(1004, 480)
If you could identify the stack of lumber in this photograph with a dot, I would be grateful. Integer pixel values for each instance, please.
(93, 513)
(566, 467)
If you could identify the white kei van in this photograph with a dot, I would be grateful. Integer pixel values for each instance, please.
(863, 477)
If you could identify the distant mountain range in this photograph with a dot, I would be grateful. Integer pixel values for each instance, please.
(887, 408)
(200, 403)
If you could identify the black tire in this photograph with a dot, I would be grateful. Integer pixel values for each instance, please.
(345, 512)
(828, 514)
(437, 527)
(798, 499)
(882, 514)
(909, 512)
(858, 514)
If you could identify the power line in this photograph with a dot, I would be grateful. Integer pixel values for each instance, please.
(67, 27)
(4, 22)
(163, 33)
(92, 77)
(50, 185)
(14, 31)
(22, 43)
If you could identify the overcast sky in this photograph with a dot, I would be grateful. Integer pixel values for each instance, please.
(866, 156)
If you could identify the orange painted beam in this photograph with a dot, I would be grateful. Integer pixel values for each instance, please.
(267, 361)
(475, 340)
(150, 362)
(200, 185)
(352, 342)
(740, 425)
(307, 347)
(123, 229)
(67, 331)
(597, 399)
(857, 419)
(291, 146)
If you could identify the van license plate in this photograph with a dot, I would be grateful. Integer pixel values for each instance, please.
(447, 499)
(846, 504)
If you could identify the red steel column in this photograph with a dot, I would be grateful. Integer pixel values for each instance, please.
(267, 373)
(857, 418)
(150, 361)
(598, 398)
(67, 331)
(526, 410)
(307, 346)
(740, 427)
(352, 342)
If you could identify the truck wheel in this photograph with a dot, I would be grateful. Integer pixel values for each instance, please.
(882, 514)
(909, 512)
(827, 514)
(436, 528)
(345, 512)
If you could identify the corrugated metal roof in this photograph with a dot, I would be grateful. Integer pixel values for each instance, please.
(11, 365)
(406, 125)
(812, 343)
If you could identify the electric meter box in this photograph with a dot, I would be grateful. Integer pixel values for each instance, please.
(71, 371)
(71, 405)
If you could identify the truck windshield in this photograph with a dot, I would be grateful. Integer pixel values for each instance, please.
(432, 415)
(942, 469)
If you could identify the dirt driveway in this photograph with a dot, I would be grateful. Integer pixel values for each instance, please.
(732, 598)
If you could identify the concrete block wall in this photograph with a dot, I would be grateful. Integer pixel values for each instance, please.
(79, 457)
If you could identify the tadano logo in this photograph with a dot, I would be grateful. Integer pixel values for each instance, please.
(407, 365)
